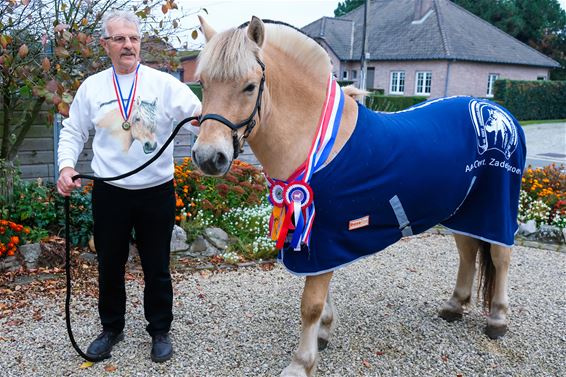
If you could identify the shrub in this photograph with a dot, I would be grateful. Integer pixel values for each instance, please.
(543, 195)
(392, 103)
(243, 185)
(236, 203)
(540, 99)
(11, 235)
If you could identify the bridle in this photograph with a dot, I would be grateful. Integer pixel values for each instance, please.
(249, 123)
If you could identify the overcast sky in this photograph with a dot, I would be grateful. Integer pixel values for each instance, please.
(223, 14)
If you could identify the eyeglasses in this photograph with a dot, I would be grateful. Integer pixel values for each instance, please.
(121, 39)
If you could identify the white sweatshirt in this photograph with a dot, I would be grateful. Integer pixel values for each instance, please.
(160, 103)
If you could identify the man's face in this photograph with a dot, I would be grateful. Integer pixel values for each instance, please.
(122, 45)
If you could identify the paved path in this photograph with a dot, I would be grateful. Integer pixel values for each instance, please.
(546, 144)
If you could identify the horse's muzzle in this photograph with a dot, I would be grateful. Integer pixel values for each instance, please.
(211, 161)
(149, 147)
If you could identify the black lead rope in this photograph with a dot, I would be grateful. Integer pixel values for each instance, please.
(67, 232)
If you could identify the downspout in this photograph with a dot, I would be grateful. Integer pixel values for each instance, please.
(447, 81)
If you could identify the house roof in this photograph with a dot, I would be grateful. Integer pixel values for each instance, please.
(444, 32)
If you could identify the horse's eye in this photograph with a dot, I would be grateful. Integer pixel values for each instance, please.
(250, 88)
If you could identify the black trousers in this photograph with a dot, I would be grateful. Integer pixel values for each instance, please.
(151, 213)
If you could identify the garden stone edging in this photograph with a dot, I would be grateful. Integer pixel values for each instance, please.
(214, 241)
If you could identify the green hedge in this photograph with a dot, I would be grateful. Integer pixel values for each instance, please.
(196, 88)
(392, 103)
(532, 100)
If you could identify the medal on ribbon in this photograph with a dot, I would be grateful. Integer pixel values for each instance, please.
(125, 105)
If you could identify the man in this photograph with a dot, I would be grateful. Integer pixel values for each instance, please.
(132, 109)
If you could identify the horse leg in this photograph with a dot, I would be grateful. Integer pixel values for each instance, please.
(498, 300)
(453, 309)
(327, 322)
(312, 305)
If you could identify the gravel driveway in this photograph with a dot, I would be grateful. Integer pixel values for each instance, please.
(246, 323)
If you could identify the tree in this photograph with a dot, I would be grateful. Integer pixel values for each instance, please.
(538, 23)
(347, 6)
(48, 47)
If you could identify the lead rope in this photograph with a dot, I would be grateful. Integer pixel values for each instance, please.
(67, 232)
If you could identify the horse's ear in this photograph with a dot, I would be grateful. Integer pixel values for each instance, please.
(256, 31)
(206, 29)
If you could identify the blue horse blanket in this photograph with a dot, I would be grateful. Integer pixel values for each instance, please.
(454, 161)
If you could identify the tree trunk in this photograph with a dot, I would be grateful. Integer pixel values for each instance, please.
(7, 173)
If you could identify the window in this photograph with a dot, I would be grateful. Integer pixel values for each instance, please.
(490, 80)
(423, 83)
(541, 78)
(397, 82)
(354, 74)
(345, 75)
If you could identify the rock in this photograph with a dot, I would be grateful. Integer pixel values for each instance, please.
(202, 248)
(564, 235)
(88, 257)
(178, 239)
(528, 228)
(8, 264)
(30, 253)
(550, 233)
(217, 237)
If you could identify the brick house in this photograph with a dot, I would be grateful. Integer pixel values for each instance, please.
(188, 61)
(426, 47)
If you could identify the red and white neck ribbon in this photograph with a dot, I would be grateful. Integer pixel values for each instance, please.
(292, 200)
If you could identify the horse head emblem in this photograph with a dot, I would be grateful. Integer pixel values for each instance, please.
(143, 124)
(494, 128)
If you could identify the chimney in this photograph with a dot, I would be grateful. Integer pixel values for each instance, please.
(422, 7)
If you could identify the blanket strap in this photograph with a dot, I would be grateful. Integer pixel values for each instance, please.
(404, 223)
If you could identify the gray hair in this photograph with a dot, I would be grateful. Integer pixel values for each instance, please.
(117, 14)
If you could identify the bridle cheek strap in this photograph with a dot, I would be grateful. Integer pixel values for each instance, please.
(249, 123)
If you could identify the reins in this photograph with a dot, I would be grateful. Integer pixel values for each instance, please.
(67, 232)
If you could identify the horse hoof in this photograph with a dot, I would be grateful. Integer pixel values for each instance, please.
(495, 332)
(322, 344)
(449, 315)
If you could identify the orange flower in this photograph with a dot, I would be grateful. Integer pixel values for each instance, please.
(15, 240)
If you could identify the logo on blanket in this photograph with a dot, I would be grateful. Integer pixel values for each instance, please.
(494, 128)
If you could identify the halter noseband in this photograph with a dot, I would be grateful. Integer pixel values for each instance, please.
(249, 123)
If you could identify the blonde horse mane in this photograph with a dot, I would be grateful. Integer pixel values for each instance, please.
(231, 54)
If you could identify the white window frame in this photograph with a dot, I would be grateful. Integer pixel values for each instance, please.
(345, 75)
(397, 82)
(421, 83)
(354, 74)
(490, 81)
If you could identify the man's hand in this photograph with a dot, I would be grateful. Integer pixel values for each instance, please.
(65, 184)
(195, 122)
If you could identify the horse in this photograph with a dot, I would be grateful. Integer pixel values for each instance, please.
(141, 125)
(346, 182)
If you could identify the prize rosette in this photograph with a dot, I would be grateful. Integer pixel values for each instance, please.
(276, 195)
(298, 193)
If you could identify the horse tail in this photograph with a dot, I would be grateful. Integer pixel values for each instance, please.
(486, 281)
(352, 91)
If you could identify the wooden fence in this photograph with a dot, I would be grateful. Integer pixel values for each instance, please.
(37, 155)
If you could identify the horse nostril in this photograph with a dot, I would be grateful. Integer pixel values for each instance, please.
(220, 159)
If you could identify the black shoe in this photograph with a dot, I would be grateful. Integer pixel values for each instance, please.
(161, 348)
(100, 348)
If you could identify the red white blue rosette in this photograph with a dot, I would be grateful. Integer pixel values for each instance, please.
(298, 192)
